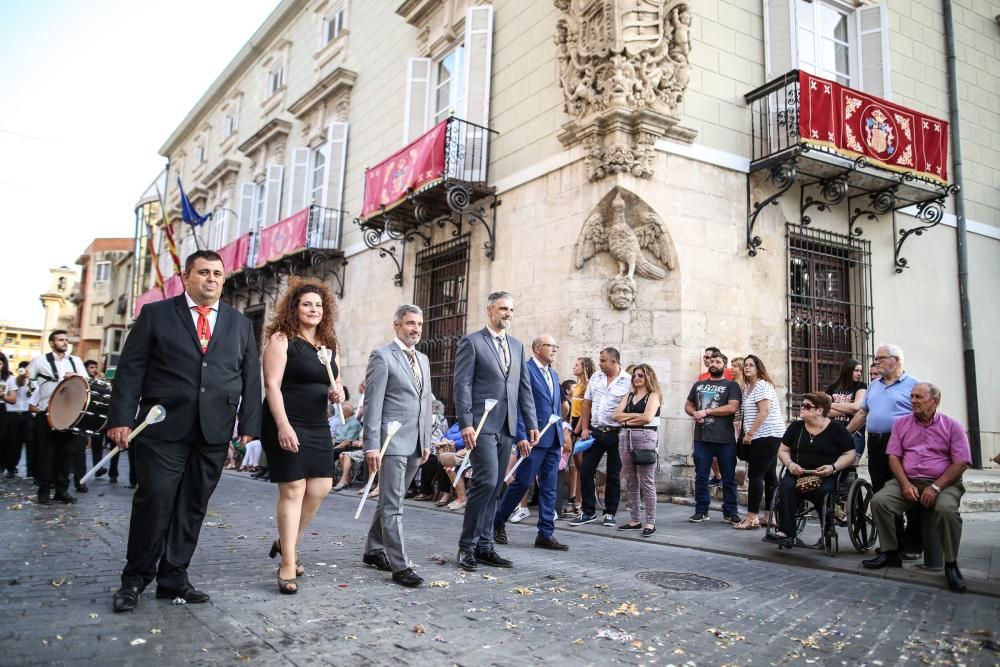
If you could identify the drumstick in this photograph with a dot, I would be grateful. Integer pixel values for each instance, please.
(390, 430)
(552, 420)
(155, 415)
(488, 405)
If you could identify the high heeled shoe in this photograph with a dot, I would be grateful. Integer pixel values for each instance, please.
(300, 569)
(287, 586)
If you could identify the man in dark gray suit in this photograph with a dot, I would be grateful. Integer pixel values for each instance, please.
(489, 364)
(398, 388)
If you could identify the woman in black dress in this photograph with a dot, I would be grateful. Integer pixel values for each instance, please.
(295, 433)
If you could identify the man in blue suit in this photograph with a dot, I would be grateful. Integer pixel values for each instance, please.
(543, 461)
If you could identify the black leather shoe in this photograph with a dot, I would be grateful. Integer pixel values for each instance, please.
(491, 557)
(190, 594)
(954, 576)
(82, 488)
(378, 560)
(467, 561)
(909, 555)
(884, 559)
(63, 497)
(500, 534)
(101, 472)
(112, 480)
(44, 498)
(126, 598)
(550, 543)
(407, 578)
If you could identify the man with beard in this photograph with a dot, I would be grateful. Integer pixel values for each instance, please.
(713, 403)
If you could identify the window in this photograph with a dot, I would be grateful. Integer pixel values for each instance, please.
(199, 152)
(317, 181)
(97, 316)
(825, 37)
(102, 272)
(449, 85)
(333, 25)
(275, 79)
(229, 125)
(258, 205)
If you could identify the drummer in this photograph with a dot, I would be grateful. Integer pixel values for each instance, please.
(53, 449)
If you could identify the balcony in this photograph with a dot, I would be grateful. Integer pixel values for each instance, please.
(439, 179)
(840, 145)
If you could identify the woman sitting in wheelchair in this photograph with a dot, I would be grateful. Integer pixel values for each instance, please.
(812, 450)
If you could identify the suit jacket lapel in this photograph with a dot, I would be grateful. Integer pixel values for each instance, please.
(180, 305)
(407, 369)
(222, 317)
(539, 372)
(496, 354)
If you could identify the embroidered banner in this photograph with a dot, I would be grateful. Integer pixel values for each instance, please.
(283, 238)
(171, 288)
(234, 255)
(416, 166)
(853, 124)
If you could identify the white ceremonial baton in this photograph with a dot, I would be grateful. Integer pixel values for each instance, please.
(488, 405)
(552, 420)
(155, 415)
(390, 430)
(325, 355)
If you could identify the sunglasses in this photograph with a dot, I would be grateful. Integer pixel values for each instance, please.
(807, 406)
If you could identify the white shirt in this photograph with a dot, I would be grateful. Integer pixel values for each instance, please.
(408, 350)
(605, 399)
(773, 425)
(545, 372)
(212, 315)
(21, 395)
(39, 367)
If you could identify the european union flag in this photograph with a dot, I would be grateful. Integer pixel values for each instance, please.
(190, 216)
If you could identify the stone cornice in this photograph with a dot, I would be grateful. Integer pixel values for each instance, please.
(272, 130)
(227, 166)
(337, 81)
(415, 11)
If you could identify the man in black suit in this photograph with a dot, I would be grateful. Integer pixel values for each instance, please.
(197, 357)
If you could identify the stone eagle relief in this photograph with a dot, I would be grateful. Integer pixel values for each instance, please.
(607, 229)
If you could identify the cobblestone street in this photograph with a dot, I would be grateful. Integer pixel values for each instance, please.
(604, 601)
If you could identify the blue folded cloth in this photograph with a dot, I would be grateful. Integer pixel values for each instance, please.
(455, 435)
(583, 445)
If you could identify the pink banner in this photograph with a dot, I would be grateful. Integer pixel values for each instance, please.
(171, 288)
(234, 255)
(411, 168)
(283, 238)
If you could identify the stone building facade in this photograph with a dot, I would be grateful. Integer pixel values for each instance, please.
(620, 187)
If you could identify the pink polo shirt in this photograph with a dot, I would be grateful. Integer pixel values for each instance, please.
(928, 450)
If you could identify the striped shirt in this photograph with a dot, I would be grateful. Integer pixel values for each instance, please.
(774, 424)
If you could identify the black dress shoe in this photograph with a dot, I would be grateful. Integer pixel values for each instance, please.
(954, 576)
(407, 578)
(909, 555)
(63, 497)
(112, 480)
(491, 557)
(378, 560)
(500, 534)
(125, 599)
(884, 559)
(101, 472)
(467, 561)
(44, 498)
(190, 594)
(82, 488)
(550, 543)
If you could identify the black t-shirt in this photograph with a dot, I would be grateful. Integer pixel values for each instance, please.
(707, 394)
(841, 396)
(812, 451)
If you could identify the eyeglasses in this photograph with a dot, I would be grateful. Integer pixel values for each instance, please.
(638, 375)
(807, 406)
(878, 359)
(551, 346)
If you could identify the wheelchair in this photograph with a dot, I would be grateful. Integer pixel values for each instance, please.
(847, 506)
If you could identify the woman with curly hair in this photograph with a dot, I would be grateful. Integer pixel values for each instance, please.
(294, 429)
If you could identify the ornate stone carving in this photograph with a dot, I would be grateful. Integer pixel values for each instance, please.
(624, 226)
(624, 66)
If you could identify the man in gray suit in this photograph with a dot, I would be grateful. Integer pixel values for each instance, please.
(398, 388)
(490, 364)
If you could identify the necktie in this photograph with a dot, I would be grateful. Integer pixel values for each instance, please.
(204, 331)
(503, 352)
(548, 377)
(412, 356)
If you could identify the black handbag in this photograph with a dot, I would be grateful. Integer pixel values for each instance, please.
(742, 450)
(643, 457)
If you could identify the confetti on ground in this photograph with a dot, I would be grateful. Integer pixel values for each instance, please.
(178, 601)
(155, 631)
(614, 634)
(419, 629)
(439, 584)
(137, 641)
(15, 506)
(93, 615)
(439, 638)
(523, 591)
(59, 582)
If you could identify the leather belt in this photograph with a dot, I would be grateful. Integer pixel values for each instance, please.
(607, 429)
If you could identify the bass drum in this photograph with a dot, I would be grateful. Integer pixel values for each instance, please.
(80, 405)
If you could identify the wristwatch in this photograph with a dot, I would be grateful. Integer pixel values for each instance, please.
(937, 489)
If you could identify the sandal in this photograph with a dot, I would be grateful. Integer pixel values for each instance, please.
(300, 569)
(444, 500)
(747, 524)
(456, 505)
(287, 586)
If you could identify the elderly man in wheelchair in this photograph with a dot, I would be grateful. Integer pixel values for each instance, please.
(818, 458)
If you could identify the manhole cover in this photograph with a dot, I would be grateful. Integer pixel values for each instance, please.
(681, 581)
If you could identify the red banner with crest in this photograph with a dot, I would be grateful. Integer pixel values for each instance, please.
(234, 255)
(283, 238)
(419, 164)
(172, 286)
(856, 124)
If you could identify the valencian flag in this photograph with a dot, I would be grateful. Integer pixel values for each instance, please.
(169, 231)
(188, 212)
(155, 260)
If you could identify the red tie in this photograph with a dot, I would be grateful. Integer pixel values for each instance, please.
(204, 331)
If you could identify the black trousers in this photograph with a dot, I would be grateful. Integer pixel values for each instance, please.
(878, 469)
(788, 500)
(176, 480)
(760, 469)
(53, 457)
(113, 467)
(80, 446)
(17, 433)
(605, 442)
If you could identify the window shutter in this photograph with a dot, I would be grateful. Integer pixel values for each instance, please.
(873, 65)
(246, 208)
(418, 98)
(272, 194)
(300, 179)
(333, 193)
(479, 57)
(780, 56)
(220, 234)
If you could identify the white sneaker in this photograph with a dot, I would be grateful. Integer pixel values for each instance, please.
(519, 514)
